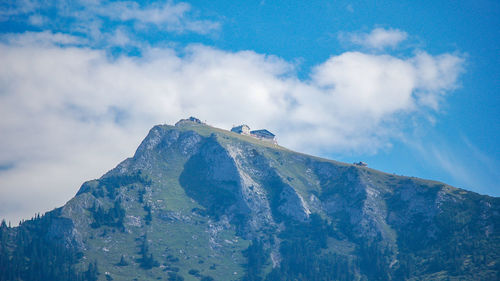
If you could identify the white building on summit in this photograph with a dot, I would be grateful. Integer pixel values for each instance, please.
(263, 134)
(241, 129)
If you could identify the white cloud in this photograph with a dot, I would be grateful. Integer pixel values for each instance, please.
(120, 37)
(467, 168)
(166, 15)
(435, 76)
(12, 8)
(371, 85)
(70, 113)
(86, 16)
(37, 20)
(46, 38)
(378, 38)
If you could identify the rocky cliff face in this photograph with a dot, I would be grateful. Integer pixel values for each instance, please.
(199, 202)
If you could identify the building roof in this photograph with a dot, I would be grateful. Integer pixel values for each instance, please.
(241, 129)
(263, 133)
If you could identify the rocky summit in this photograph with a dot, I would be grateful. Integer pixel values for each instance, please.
(201, 203)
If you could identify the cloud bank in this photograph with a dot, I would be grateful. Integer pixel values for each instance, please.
(98, 19)
(83, 111)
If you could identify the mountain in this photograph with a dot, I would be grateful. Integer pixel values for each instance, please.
(201, 203)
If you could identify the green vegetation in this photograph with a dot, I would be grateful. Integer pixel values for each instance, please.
(109, 185)
(122, 262)
(146, 260)
(148, 218)
(112, 217)
(304, 256)
(32, 252)
(257, 259)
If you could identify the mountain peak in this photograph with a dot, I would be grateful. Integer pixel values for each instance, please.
(198, 202)
(189, 120)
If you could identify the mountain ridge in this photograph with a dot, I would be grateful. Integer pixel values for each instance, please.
(198, 202)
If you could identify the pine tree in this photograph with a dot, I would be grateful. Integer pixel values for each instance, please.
(122, 262)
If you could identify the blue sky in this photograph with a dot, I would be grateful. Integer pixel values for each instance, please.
(409, 87)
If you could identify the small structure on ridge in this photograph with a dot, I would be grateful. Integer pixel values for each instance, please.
(241, 129)
(190, 119)
(262, 134)
(360, 163)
